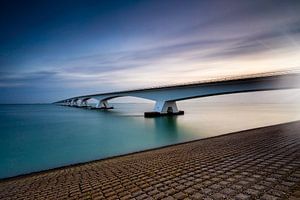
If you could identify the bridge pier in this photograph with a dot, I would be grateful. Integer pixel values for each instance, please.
(103, 105)
(164, 108)
(83, 103)
(71, 103)
(74, 103)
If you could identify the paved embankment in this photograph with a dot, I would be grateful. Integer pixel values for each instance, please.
(262, 163)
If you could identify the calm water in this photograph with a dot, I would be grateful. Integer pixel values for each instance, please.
(37, 137)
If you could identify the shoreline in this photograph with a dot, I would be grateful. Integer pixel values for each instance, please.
(132, 153)
(259, 163)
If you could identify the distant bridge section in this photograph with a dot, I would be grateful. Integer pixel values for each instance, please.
(167, 96)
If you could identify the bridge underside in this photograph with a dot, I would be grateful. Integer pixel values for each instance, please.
(161, 108)
(166, 98)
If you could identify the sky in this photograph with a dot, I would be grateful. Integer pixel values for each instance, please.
(51, 50)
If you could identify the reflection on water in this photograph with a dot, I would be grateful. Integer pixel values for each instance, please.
(167, 126)
(37, 137)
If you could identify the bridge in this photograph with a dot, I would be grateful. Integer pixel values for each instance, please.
(165, 97)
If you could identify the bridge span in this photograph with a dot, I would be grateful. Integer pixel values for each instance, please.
(165, 97)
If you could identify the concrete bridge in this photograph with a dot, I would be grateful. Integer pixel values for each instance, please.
(167, 96)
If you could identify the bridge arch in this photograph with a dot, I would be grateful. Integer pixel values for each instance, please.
(103, 102)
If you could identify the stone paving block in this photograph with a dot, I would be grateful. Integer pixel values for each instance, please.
(228, 191)
(218, 196)
(179, 195)
(207, 191)
(242, 196)
(197, 196)
(269, 197)
(168, 198)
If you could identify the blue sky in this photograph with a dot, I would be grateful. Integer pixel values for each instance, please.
(51, 50)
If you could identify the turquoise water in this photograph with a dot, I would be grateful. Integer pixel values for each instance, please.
(38, 137)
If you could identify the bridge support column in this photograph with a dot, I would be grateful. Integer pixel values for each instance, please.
(83, 103)
(103, 105)
(74, 103)
(164, 108)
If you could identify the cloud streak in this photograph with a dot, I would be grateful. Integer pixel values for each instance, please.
(183, 41)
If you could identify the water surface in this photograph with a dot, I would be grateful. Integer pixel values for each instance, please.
(38, 137)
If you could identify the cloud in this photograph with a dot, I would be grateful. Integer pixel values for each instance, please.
(178, 43)
(104, 67)
(28, 78)
(97, 68)
(201, 50)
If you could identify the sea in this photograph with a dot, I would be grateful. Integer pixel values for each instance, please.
(35, 137)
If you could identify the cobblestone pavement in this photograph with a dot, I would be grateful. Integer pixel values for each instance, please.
(257, 164)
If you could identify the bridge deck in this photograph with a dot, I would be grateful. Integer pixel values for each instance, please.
(202, 82)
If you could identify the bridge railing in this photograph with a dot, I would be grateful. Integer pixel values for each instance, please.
(227, 78)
